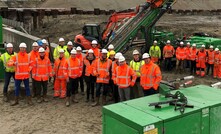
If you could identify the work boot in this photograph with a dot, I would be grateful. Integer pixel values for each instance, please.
(67, 102)
(5, 97)
(15, 101)
(73, 99)
(39, 99)
(96, 102)
(104, 102)
(45, 98)
(29, 100)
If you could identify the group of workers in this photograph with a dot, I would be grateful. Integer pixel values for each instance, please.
(199, 61)
(103, 69)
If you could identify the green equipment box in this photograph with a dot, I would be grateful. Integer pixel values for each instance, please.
(137, 117)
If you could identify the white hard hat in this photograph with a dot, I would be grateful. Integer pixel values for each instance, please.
(194, 45)
(135, 52)
(217, 49)
(23, 45)
(61, 39)
(73, 51)
(203, 46)
(70, 43)
(104, 51)
(117, 55)
(61, 50)
(155, 42)
(211, 46)
(168, 41)
(181, 43)
(41, 50)
(44, 41)
(121, 59)
(188, 43)
(94, 42)
(145, 55)
(78, 48)
(35, 44)
(111, 46)
(9, 45)
(90, 51)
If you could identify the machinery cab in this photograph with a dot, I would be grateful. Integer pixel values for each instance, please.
(89, 32)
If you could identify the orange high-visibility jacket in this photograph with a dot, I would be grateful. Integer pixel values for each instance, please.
(211, 57)
(168, 51)
(101, 69)
(33, 55)
(22, 63)
(60, 69)
(81, 58)
(187, 52)
(201, 57)
(217, 59)
(42, 69)
(123, 76)
(47, 51)
(88, 67)
(150, 76)
(193, 54)
(74, 68)
(181, 53)
(113, 68)
(96, 52)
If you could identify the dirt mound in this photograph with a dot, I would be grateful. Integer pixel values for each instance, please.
(125, 4)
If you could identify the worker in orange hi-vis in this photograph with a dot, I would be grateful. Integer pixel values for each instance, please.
(61, 75)
(187, 49)
(46, 48)
(201, 59)
(125, 79)
(95, 48)
(81, 58)
(33, 55)
(193, 52)
(168, 53)
(210, 62)
(41, 72)
(101, 69)
(74, 72)
(180, 57)
(217, 64)
(150, 76)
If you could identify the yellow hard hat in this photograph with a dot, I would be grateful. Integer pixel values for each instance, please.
(112, 52)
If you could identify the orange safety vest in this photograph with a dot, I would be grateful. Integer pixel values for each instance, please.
(123, 76)
(81, 58)
(211, 57)
(217, 59)
(193, 54)
(88, 68)
(60, 69)
(188, 52)
(102, 68)
(201, 59)
(96, 52)
(150, 76)
(113, 68)
(74, 68)
(42, 69)
(168, 51)
(33, 55)
(181, 53)
(22, 63)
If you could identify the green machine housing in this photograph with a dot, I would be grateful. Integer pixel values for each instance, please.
(136, 117)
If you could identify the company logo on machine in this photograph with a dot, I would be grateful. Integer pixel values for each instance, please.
(150, 129)
(205, 112)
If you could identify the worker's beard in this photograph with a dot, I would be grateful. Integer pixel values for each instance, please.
(42, 57)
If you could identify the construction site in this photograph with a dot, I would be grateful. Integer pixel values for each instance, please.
(128, 25)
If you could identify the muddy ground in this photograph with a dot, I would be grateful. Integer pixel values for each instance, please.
(54, 117)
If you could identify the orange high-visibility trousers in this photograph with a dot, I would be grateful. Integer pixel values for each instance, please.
(216, 71)
(60, 88)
